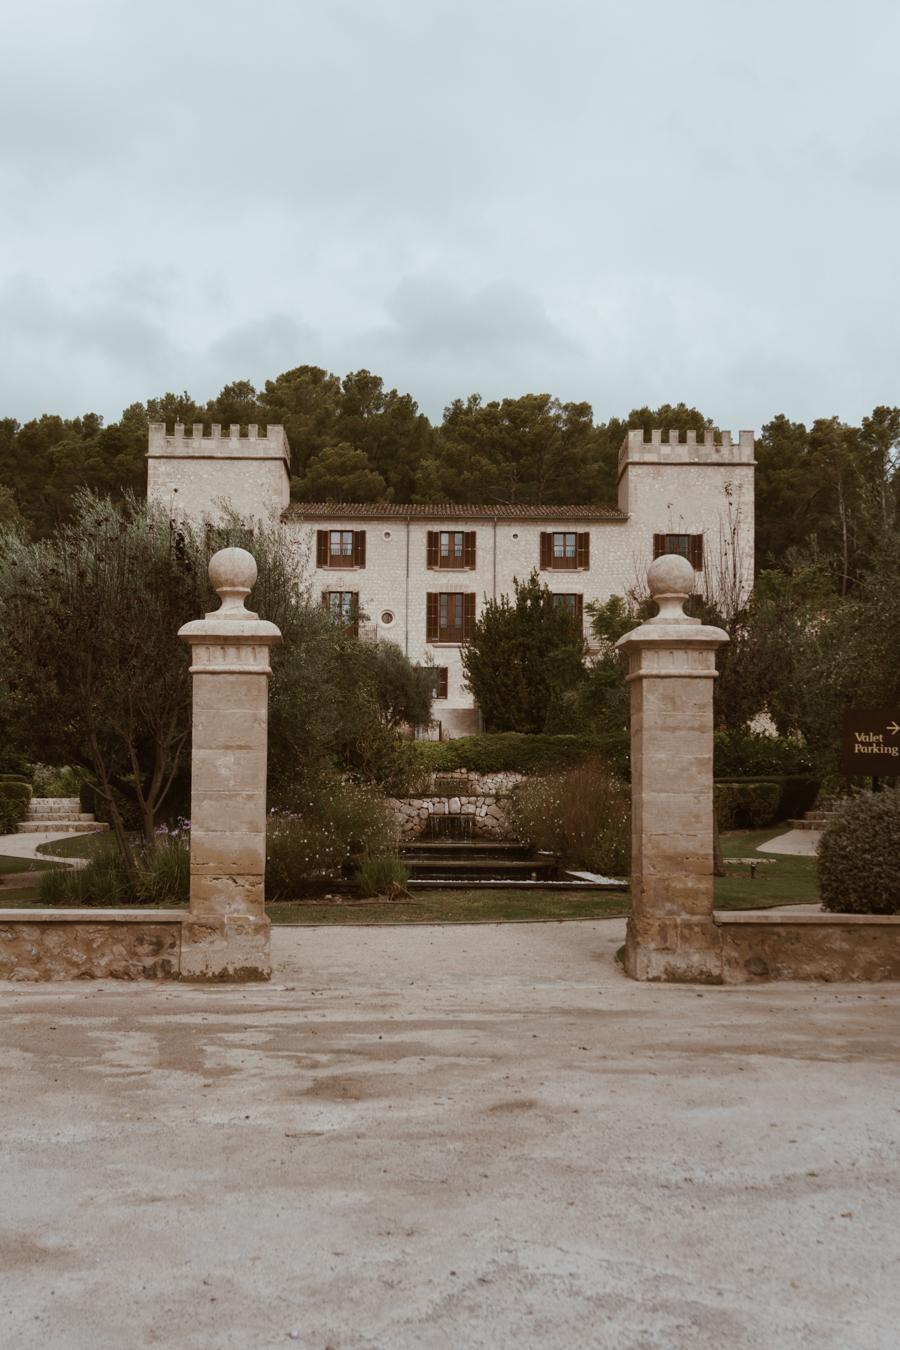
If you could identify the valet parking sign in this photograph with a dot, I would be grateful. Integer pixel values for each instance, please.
(871, 741)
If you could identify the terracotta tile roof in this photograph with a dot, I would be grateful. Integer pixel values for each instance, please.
(443, 511)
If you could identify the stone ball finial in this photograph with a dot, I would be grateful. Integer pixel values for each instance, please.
(671, 580)
(233, 573)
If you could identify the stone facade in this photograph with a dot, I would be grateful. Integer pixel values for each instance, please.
(700, 490)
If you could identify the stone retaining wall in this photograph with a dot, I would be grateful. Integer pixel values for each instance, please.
(757, 948)
(488, 814)
(77, 944)
(483, 798)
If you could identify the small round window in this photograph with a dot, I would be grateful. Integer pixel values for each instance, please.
(387, 618)
(515, 536)
(387, 534)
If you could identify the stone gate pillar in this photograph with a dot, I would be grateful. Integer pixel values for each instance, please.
(227, 935)
(671, 934)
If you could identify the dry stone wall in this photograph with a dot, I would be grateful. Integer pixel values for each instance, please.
(481, 798)
(120, 946)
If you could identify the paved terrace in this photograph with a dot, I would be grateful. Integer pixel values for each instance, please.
(448, 1138)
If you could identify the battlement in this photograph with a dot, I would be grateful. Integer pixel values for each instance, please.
(635, 450)
(273, 445)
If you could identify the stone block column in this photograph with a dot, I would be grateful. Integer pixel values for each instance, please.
(671, 935)
(227, 935)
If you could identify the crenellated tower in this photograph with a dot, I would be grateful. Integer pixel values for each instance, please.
(200, 477)
(693, 497)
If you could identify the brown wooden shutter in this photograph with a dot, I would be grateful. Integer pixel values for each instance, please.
(469, 549)
(359, 548)
(432, 616)
(659, 545)
(695, 549)
(324, 598)
(441, 682)
(468, 615)
(546, 551)
(579, 612)
(433, 557)
(583, 551)
(321, 548)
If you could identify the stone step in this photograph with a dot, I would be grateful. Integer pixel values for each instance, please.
(59, 815)
(61, 826)
(56, 803)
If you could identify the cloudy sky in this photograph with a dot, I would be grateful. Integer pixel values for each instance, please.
(624, 201)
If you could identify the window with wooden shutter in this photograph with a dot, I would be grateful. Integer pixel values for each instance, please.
(343, 606)
(574, 604)
(431, 552)
(546, 551)
(583, 551)
(438, 681)
(688, 546)
(468, 615)
(469, 549)
(340, 548)
(431, 617)
(564, 550)
(359, 548)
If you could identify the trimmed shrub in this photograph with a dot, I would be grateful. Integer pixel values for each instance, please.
(858, 867)
(516, 752)
(11, 813)
(793, 796)
(15, 794)
(15, 778)
(384, 875)
(582, 814)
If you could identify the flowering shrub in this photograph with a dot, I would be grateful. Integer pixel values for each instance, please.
(582, 814)
(332, 823)
(163, 867)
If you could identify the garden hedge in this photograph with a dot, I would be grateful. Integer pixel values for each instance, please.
(795, 794)
(516, 752)
(15, 795)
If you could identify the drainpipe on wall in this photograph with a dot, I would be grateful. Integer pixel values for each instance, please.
(495, 559)
(407, 589)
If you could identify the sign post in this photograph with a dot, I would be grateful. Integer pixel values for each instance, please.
(871, 742)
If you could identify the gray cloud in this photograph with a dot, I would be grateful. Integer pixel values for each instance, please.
(623, 203)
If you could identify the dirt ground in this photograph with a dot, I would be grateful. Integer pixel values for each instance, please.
(449, 1138)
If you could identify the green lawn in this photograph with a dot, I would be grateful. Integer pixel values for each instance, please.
(80, 845)
(787, 880)
(457, 906)
(10, 865)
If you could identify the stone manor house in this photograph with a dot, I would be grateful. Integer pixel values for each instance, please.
(420, 575)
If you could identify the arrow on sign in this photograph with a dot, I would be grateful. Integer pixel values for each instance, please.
(893, 728)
